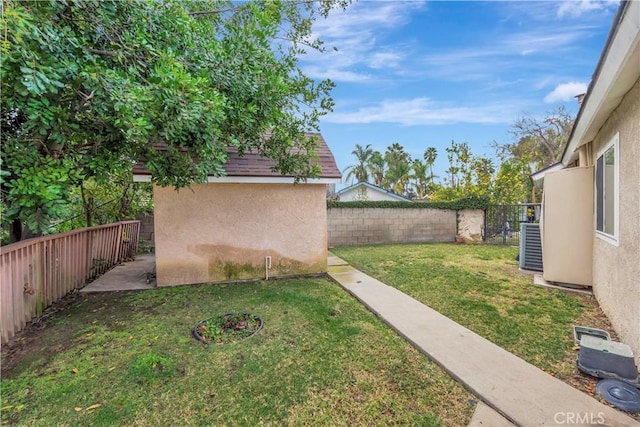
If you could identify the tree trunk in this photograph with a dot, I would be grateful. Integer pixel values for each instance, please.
(15, 232)
(87, 205)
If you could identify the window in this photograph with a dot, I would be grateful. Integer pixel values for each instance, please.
(607, 192)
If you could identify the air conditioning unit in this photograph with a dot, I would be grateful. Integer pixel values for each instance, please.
(530, 247)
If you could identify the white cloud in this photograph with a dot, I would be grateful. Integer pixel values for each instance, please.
(486, 59)
(336, 74)
(385, 60)
(575, 8)
(565, 92)
(357, 34)
(423, 111)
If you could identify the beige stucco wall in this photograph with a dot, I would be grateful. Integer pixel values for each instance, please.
(616, 269)
(470, 225)
(220, 232)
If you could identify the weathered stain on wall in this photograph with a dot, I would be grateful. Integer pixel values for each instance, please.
(616, 269)
(471, 225)
(220, 232)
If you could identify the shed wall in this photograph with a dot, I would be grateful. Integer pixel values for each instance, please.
(220, 232)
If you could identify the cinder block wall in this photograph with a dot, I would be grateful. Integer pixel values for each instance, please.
(357, 226)
(146, 228)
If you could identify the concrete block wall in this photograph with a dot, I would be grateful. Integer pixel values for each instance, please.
(146, 229)
(357, 226)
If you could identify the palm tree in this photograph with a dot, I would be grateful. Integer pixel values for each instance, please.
(421, 178)
(360, 170)
(397, 177)
(376, 167)
(398, 167)
(430, 155)
(395, 153)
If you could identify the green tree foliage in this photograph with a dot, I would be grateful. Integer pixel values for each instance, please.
(539, 141)
(93, 203)
(398, 162)
(430, 156)
(90, 86)
(360, 171)
(483, 172)
(512, 183)
(377, 166)
(421, 178)
(468, 175)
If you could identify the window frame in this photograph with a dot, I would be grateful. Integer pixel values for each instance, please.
(601, 234)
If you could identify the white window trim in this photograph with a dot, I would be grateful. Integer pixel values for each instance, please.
(612, 239)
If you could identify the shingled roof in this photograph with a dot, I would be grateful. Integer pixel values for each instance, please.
(251, 164)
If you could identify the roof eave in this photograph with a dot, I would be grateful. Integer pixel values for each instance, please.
(253, 180)
(538, 177)
(376, 188)
(616, 72)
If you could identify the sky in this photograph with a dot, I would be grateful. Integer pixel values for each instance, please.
(424, 73)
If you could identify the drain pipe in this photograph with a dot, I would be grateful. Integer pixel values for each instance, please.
(267, 266)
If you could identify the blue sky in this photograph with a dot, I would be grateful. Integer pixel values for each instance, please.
(423, 73)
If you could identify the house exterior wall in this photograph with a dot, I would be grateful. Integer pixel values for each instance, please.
(366, 193)
(221, 232)
(616, 269)
(358, 226)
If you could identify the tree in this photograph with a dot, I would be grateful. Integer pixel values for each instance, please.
(483, 176)
(421, 178)
(89, 87)
(468, 175)
(512, 184)
(459, 172)
(398, 168)
(361, 169)
(539, 141)
(376, 167)
(430, 155)
(398, 176)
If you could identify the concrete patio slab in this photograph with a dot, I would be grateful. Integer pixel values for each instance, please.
(128, 276)
(521, 392)
(539, 281)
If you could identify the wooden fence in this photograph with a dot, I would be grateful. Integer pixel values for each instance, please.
(37, 272)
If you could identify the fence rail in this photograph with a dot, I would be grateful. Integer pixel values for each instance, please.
(37, 272)
(502, 222)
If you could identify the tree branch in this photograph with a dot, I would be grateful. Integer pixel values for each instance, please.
(115, 54)
(212, 12)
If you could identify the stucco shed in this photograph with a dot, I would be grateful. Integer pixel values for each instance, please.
(250, 224)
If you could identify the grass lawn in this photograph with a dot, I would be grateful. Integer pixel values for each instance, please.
(321, 358)
(480, 287)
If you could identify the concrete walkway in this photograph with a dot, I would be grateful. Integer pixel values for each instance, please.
(517, 390)
(128, 276)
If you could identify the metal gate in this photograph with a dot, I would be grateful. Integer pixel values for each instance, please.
(502, 222)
